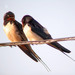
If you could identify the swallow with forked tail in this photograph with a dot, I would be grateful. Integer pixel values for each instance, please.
(14, 32)
(34, 31)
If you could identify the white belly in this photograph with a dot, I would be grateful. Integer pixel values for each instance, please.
(11, 32)
(31, 35)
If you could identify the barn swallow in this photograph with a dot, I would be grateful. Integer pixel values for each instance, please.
(14, 32)
(34, 31)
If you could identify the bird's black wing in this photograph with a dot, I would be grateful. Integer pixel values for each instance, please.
(43, 33)
(39, 29)
(25, 48)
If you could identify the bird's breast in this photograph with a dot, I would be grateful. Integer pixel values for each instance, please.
(30, 34)
(12, 32)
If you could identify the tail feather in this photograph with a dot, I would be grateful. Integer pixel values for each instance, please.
(41, 61)
(33, 55)
(59, 47)
(25, 50)
(47, 68)
(68, 56)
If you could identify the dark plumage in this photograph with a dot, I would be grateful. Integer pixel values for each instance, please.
(14, 32)
(33, 28)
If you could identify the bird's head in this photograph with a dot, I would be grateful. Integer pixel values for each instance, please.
(9, 16)
(26, 19)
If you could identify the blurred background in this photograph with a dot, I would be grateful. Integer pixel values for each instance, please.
(58, 16)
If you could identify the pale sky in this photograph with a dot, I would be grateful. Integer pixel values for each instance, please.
(58, 16)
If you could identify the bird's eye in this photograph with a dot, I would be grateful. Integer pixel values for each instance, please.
(28, 24)
(7, 15)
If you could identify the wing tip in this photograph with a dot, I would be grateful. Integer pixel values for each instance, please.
(27, 52)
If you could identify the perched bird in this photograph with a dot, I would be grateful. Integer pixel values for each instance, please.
(14, 32)
(34, 31)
